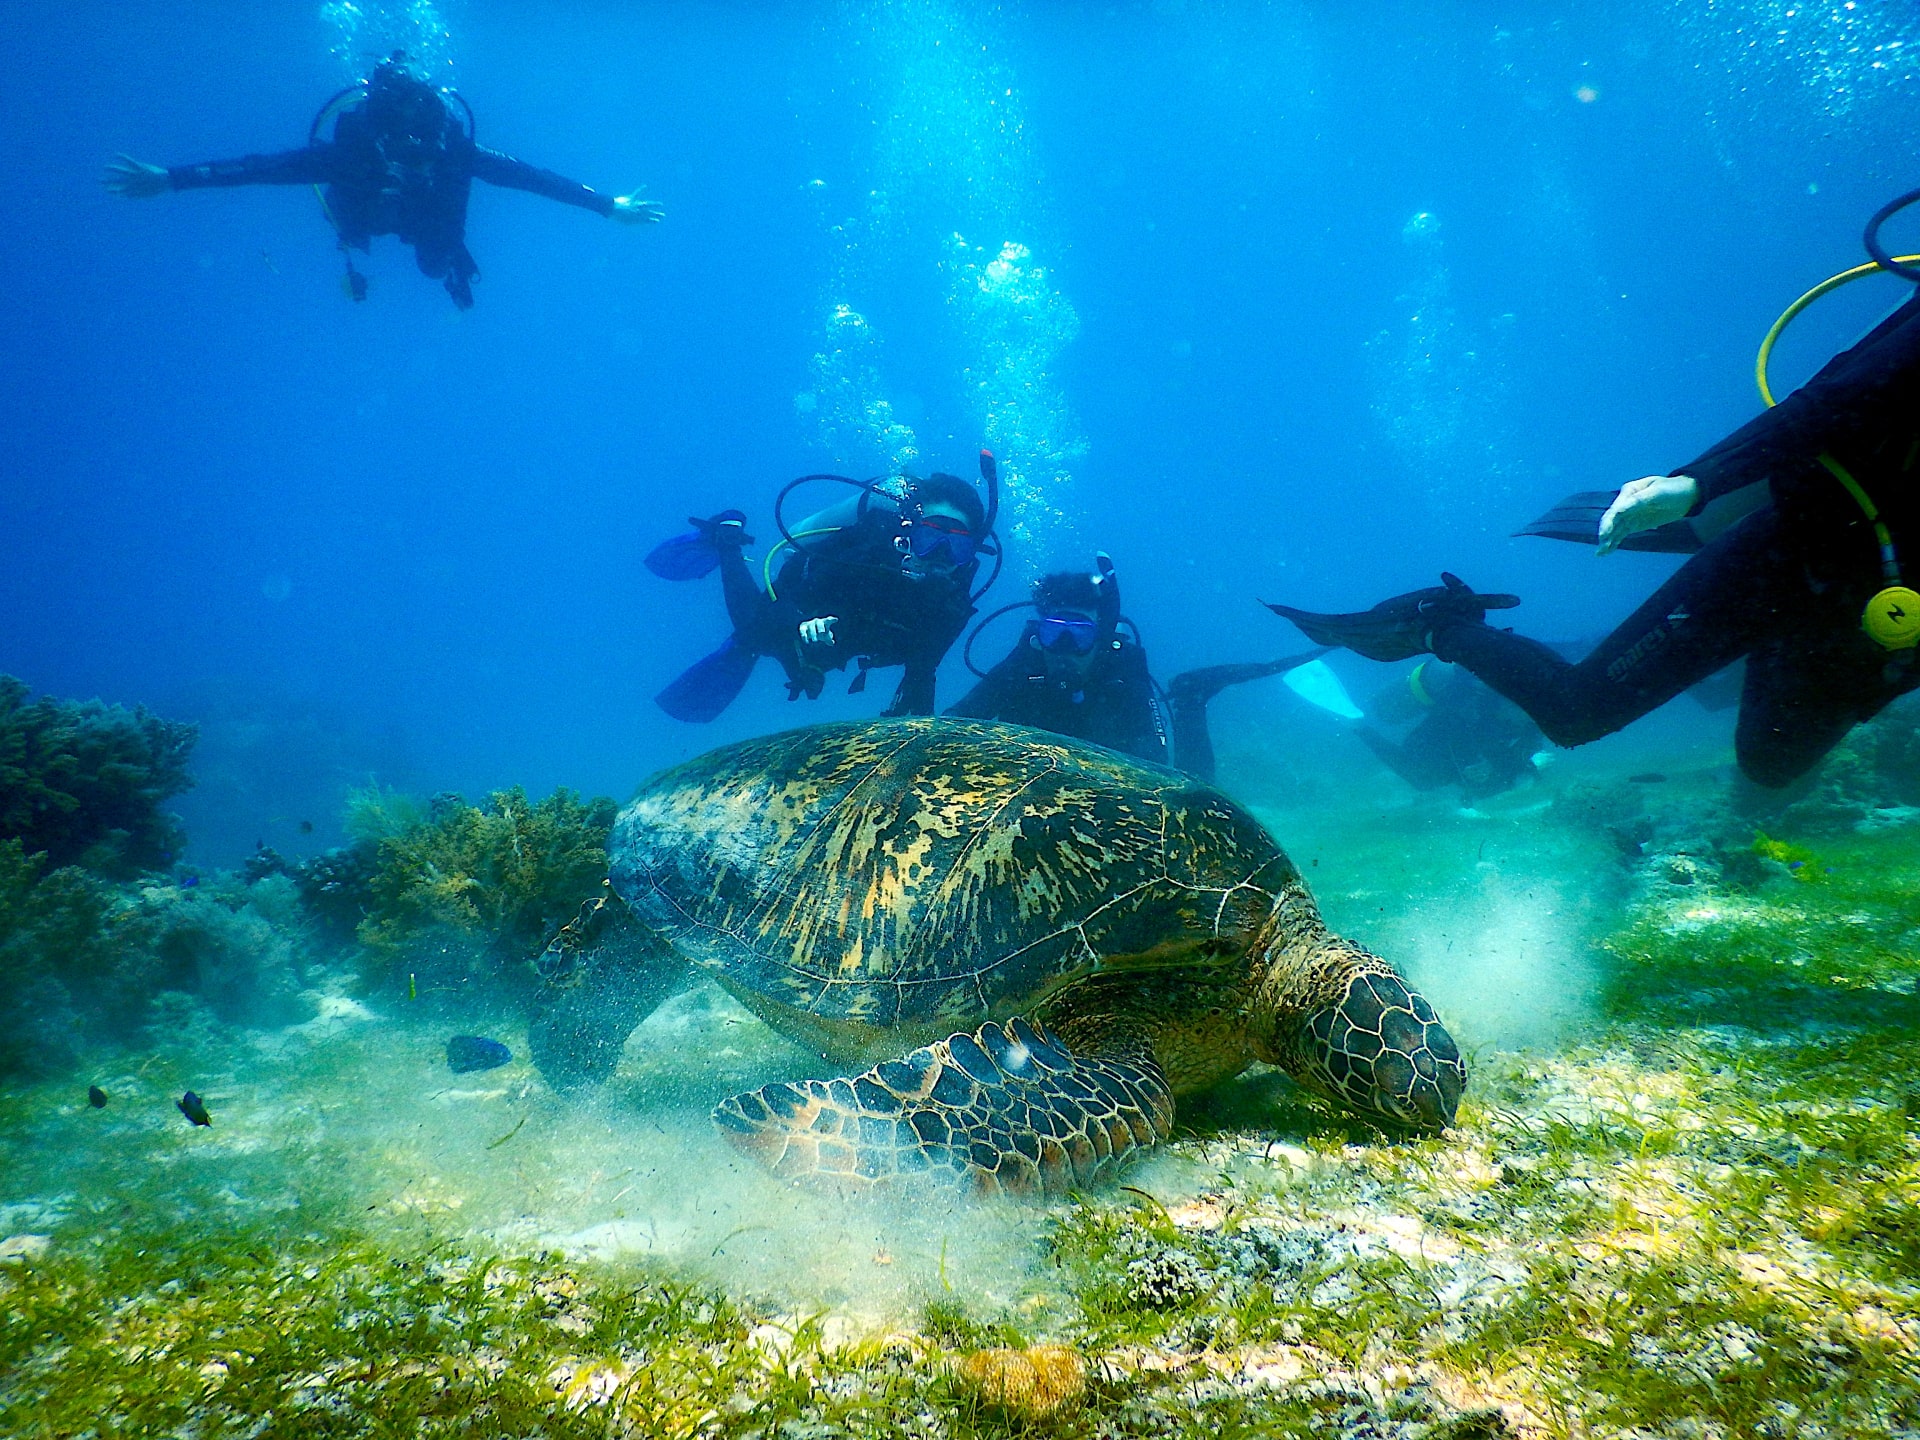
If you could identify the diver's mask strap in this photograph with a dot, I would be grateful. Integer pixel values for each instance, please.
(1892, 617)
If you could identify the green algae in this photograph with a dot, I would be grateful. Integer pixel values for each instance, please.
(1692, 1208)
(462, 896)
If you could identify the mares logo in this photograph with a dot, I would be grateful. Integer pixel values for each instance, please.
(1648, 643)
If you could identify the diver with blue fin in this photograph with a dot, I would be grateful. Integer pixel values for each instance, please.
(1078, 668)
(402, 161)
(885, 577)
(1796, 525)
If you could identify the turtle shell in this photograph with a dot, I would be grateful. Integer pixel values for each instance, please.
(930, 873)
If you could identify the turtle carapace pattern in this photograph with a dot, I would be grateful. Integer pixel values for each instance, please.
(1040, 942)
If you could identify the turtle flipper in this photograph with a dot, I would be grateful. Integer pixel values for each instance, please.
(602, 974)
(1007, 1108)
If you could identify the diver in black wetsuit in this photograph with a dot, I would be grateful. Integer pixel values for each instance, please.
(884, 579)
(1462, 734)
(1073, 672)
(401, 162)
(1798, 520)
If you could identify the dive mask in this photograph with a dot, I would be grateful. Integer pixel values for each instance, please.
(1066, 634)
(935, 537)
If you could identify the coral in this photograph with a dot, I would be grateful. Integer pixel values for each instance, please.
(468, 894)
(82, 782)
(1040, 1383)
(83, 961)
(336, 887)
(1876, 768)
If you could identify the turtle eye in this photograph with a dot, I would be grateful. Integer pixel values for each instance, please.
(1384, 1052)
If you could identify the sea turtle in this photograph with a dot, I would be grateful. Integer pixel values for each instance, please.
(1041, 942)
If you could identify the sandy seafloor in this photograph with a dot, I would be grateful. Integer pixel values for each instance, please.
(1636, 1112)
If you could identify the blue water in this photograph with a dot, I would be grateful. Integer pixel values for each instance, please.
(1307, 302)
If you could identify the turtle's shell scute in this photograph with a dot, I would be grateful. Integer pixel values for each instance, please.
(923, 872)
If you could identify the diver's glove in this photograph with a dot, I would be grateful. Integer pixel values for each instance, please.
(818, 632)
(635, 211)
(135, 179)
(1646, 504)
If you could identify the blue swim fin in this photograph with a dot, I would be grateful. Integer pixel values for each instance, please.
(695, 554)
(707, 687)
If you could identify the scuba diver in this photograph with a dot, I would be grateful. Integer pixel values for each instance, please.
(883, 578)
(1074, 671)
(401, 162)
(1463, 733)
(1795, 525)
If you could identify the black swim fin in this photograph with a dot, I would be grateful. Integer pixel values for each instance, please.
(1402, 627)
(1201, 685)
(707, 687)
(1577, 518)
(696, 553)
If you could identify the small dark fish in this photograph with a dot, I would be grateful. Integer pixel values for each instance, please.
(476, 1052)
(96, 1097)
(306, 827)
(191, 1107)
(1647, 777)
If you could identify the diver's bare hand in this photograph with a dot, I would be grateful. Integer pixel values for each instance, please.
(135, 179)
(635, 211)
(1646, 504)
(818, 631)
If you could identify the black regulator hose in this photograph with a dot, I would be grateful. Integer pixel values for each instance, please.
(966, 650)
(1881, 256)
(780, 500)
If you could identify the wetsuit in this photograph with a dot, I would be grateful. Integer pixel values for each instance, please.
(884, 616)
(1111, 705)
(383, 185)
(1464, 734)
(1784, 587)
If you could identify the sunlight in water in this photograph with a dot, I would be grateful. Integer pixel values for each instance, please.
(950, 146)
(370, 30)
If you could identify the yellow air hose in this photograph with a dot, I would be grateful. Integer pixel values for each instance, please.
(1832, 282)
(1892, 617)
(788, 543)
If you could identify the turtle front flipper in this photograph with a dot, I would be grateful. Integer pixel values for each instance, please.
(1006, 1109)
(601, 975)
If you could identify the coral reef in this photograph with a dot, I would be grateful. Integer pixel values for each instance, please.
(462, 897)
(82, 782)
(1872, 776)
(83, 961)
(336, 886)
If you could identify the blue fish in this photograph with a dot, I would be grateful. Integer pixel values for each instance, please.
(191, 1106)
(476, 1052)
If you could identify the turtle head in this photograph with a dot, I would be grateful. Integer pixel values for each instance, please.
(1377, 1048)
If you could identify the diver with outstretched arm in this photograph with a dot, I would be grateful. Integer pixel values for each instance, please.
(1797, 522)
(401, 162)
